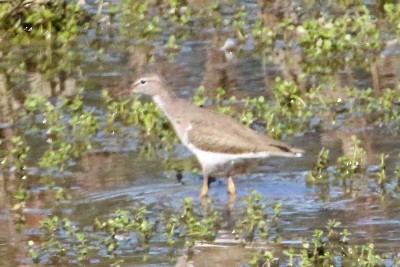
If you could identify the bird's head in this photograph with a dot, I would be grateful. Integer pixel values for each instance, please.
(150, 85)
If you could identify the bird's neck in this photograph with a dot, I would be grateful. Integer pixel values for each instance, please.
(165, 101)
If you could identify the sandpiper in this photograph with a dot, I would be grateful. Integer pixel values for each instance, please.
(222, 145)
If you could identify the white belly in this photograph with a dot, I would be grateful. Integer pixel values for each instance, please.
(226, 164)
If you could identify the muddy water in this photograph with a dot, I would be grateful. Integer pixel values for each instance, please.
(116, 176)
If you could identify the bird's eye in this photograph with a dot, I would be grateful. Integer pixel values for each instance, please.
(142, 81)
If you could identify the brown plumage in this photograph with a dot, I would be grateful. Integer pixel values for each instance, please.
(221, 144)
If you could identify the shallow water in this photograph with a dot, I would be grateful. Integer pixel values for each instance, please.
(115, 176)
(122, 181)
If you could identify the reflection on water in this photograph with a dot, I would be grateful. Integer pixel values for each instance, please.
(116, 176)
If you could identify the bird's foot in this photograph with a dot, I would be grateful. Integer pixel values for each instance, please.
(203, 195)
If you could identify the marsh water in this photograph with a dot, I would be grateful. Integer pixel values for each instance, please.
(116, 175)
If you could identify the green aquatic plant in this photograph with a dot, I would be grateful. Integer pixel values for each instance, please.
(50, 39)
(19, 156)
(40, 37)
(326, 247)
(138, 21)
(57, 156)
(223, 105)
(382, 177)
(148, 19)
(318, 247)
(365, 256)
(239, 24)
(199, 97)
(198, 228)
(62, 240)
(342, 41)
(264, 36)
(171, 45)
(288, 95)
(254, 109)
(392, 12)
(133, 111)
(147, 116)
(121, 227)
(290, 253)
(263, 258)
(319, 174)
(15, 164)
(23, 20)
(256, 222)
(315, 46)
(181, 12)
(68, 127)
(191, 226)
(51, 247)
(291, 114)
(380, 109)
(171, 228)
(349, 165)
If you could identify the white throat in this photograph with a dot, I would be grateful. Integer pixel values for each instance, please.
(161, 104)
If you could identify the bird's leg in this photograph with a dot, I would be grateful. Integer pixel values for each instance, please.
(204, 189)
(231, 186)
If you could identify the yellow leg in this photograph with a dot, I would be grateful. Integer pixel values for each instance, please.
(204, 189)
(231, 186)
(232, 200)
